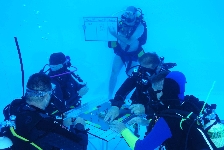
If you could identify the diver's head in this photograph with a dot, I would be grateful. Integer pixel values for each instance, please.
(157, 84)
(180, 79)
(130, 15)
(39, 90)
(58, 61)
(149, 63)
(168, 88)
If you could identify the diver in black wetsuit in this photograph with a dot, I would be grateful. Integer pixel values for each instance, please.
(68, 87)
(150, 64)
(34, 129)
(177, 126)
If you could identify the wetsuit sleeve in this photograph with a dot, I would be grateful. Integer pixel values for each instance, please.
(128, 85)
(155, 138)
(58, 136)
(129, 137)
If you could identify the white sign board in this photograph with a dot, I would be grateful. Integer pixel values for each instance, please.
(96, 28)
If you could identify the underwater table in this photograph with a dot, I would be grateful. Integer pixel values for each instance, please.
(94, 112)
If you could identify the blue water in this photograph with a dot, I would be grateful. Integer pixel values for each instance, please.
(189, 33)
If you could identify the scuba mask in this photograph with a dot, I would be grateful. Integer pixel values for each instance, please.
(37, 93)
(56, 67)
(145, 74)
(128, 17)
(147, 71)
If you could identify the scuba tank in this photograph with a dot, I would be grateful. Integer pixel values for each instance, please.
(6, 142)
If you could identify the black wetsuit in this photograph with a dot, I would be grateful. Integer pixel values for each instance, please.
(173, 125)
(65, 96)
(168, 132)
(46, 132)
(139, 96)
(186, 134)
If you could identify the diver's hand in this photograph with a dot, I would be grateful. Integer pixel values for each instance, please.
(67, 122)
(112, 31)
(79, 120)
(117, 126)
(83, 90)
(138, 120)
(137, 109)
(113, 112)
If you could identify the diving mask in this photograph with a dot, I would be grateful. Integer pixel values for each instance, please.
(128, 17)
(148, 71)
(37, 93)
(59, 66)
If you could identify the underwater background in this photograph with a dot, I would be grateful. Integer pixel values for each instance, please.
(187, 32)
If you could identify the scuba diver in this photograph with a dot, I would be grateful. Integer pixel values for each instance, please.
(29, 127)
(68, 87)
(150, 64)
(131, 35)
(190, 125)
